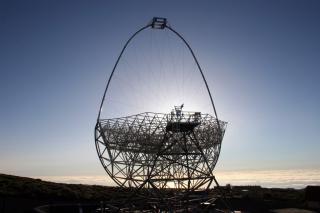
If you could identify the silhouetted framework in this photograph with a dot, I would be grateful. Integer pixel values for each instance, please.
(160, 150)
(153, 152)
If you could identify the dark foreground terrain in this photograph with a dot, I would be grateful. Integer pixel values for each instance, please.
(20, 194)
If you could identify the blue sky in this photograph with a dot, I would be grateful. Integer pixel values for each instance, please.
(261, 60)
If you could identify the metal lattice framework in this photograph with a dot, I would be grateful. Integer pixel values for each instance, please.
(157, 151)
(160, 150)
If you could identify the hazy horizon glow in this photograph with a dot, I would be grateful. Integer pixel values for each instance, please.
(261, 60)
(289, 178)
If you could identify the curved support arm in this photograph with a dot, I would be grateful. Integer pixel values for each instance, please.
(116, 64)
(204, 79)
(193, 55)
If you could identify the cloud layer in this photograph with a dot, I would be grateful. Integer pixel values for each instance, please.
(266, 178)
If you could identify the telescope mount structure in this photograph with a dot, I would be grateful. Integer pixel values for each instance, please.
(164, 158)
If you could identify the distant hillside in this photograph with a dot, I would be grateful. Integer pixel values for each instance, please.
(22, 195)
(35, 188)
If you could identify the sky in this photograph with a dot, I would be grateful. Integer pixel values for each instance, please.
(261, 60)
